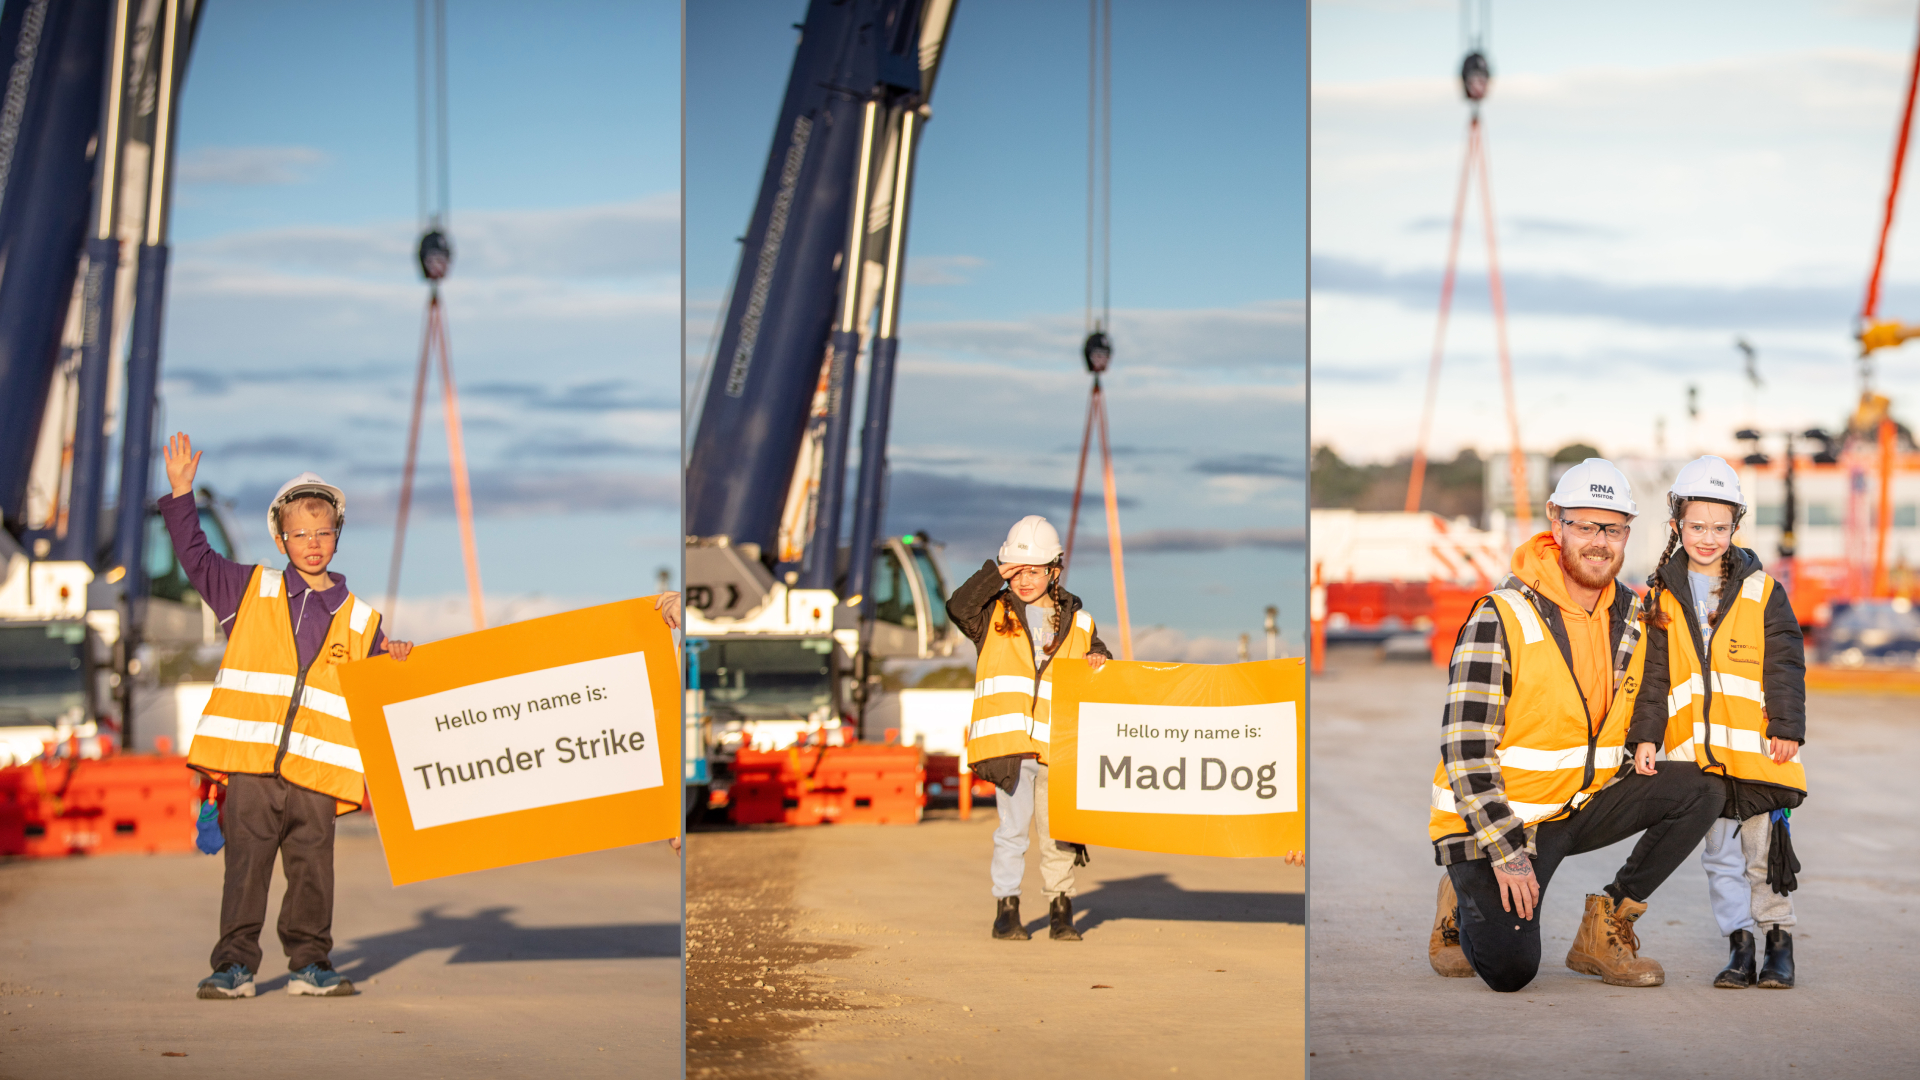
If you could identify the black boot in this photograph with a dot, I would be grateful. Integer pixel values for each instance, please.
(1778, 972)
(1006, 920)
(1739, 973)
(1060, 913)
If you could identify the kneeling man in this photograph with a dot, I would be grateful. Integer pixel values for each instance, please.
(1532, 760)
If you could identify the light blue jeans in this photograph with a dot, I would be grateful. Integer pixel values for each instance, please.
(1026, 809)
(1736, 860)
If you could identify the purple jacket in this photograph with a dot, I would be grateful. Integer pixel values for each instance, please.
(221, 582)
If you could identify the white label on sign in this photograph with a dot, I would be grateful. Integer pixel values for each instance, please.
(1187, 759)
(560, 735)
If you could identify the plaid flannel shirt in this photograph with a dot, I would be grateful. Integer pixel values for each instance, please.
(1479, 683)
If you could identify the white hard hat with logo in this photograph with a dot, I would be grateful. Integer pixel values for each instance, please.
(1596, 485)
(1707, 477)
(1031, 542)
(302, 486)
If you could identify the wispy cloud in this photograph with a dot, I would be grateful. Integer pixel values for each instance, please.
(250, 166)
(942, 269)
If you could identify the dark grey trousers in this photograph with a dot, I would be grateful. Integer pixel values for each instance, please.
(265, 816)
(1671, 810)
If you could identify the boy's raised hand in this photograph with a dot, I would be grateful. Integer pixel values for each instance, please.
(183, 463)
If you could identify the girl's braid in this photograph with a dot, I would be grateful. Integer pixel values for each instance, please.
(1059, 597)
(1652, 613)
(1727, 567)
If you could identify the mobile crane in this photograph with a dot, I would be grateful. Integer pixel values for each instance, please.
(786, 624)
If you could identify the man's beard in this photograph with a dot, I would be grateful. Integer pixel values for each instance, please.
(1582, 572)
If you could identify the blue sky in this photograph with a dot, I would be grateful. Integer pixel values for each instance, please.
(294, 318)
(1666, 178)
(1207, 393)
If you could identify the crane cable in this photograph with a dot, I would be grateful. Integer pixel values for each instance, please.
(1475, 79)
(1097, 351)
(435, 256)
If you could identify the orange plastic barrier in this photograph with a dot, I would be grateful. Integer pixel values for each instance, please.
(861, 784)
(132, 805)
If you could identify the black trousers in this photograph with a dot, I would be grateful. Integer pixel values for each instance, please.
(1672, 809)
(265, 816)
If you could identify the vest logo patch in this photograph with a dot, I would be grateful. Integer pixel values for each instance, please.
(1741, 652)
(337, 652)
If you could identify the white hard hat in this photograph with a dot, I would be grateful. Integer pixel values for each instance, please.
(300, 487)
(1031, 542)
(1595, 484)
(1707, 477)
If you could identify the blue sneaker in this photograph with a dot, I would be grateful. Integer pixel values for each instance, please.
(232, 981)
(319, 980)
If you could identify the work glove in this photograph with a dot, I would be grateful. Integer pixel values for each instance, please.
(1781, 863)
(1081, 856)
(207, 835)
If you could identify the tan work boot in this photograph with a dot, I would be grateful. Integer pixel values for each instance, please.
(1607, 947)
(1443, 946)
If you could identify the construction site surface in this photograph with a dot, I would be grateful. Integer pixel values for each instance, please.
(865, 951)
(569, 967)
(1379, 1012)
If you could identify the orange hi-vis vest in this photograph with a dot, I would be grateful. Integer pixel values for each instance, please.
(1552, 757)
(1012, 703)
(246, 727)
(1733, 740)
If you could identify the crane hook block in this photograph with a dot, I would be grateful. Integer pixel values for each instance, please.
(1886, 335)
(436, 255)
(1476, 76)
(1098, 352)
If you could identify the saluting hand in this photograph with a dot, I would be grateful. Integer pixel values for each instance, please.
(183, 463)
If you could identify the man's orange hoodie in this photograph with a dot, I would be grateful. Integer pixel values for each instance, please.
(1537, 564)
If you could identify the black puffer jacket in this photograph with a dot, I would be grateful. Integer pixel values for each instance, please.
(971, 609)
(1783, 680)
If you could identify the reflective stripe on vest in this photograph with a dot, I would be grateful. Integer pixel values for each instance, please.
(246, 724)
(1544, 750)
(1011, 707)
(1734, 738)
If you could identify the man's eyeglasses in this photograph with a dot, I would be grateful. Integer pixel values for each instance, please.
(315, 535)
(1587, 530)
(1700, 530)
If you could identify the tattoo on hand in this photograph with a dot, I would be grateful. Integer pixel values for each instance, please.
(1518, 866)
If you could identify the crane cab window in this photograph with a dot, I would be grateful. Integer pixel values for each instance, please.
(43, 677)
(935, 588)
(892, 594)
(783, 679)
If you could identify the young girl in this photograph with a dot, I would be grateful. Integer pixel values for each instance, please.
(1741, 713)
(1023, 623)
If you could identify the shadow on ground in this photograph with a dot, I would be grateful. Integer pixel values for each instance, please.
(1155, 896)
(488, 936)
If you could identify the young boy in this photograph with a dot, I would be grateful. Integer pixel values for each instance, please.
(276, 730)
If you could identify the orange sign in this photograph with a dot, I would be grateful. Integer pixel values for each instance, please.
(550, 737)
(1192, 759)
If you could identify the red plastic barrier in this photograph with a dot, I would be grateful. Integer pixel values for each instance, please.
(121, 805)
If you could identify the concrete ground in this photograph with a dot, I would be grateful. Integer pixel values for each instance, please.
(864, 951)
(567, 967)
(1379, 1012)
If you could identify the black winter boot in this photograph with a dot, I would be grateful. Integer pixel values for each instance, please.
(1006, 920)
(1739, 972)
(1778, 972)
(1060, 914)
